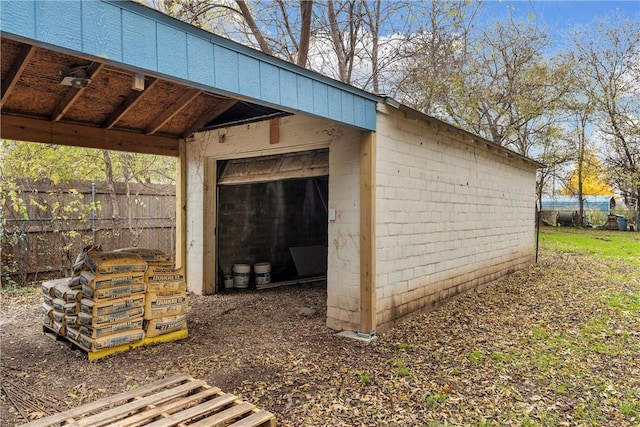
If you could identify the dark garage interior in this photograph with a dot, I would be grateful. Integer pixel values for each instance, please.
(271, 210)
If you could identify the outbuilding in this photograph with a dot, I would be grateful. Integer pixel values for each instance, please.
(400, 210)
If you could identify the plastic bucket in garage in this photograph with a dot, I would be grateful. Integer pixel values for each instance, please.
(262, 271)
(622, 223)
(228, 282)
(241, 273)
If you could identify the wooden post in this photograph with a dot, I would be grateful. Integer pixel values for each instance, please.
(209, 233)
(274, 131)
(181, 208)
(368, 235)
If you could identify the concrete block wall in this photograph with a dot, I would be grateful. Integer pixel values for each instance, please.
(450, 215)
(297, 133)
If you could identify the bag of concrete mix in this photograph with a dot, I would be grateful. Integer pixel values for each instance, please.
(71, 308)
(71, 321)
(111, 329)
(102, 307)
(58, 304)
(49, 286)
(115, 292)
(47, 310)
(104, 319)
(169, 280)
(159, 268)
(165, 325)
(102, 281)
(73, 333)
(149, 255)
(114, 262)
(121, 338)
(58, 316)
(59, 328)
(162, 304)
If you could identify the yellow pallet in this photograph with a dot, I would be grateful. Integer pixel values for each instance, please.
(95, 355)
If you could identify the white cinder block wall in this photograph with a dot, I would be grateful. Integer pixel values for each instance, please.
(297, 133)
(450, 215)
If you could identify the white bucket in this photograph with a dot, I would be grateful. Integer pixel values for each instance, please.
(263, 273)
(228, 282)
(241, 273)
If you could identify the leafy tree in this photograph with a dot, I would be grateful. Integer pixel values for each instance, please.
(594, 177)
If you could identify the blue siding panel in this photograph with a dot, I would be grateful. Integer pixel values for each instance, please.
(200, 61)
(19, 18)
(320, 99)
(139, 38)
(172, 51)
(270, 83)
(305, 93)
(249, 69)
(102, 30)
(288, 89)
(49, 14)
(226, 69)
(347, 108)
(139, 41)
(335, 103)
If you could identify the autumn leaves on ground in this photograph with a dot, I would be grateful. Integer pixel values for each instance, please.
(556, 344)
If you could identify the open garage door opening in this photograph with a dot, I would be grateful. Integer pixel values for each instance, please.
(272, 211)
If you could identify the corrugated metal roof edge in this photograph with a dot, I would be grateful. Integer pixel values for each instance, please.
(510, 153)
(133, 6)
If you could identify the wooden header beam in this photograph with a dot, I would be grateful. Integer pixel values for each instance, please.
(34, 130)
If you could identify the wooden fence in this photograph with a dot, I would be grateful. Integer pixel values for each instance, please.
(42, 238)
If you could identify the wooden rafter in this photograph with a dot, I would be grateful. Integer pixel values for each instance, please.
(133, 98)
(74, 93)
(209, 115)
(173, 109)
(13, 75)
(29, 129)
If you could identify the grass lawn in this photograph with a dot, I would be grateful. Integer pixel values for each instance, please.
(612, 245)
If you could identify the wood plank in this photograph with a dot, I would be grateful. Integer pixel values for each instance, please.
(258, 418)
(107, 402)
(274, 131)
(209, 267)
(208, 115)
(166, 408)
(172, 110)
(133, 98)
(203, 408)
(181, 209)
(225, 416)
(14, 73)
(114, 414)
(368, 234)
(38, 130)
(73, 94)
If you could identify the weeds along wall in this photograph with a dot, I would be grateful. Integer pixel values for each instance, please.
(45, 225)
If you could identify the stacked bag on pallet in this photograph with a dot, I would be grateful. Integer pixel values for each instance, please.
(166, 304)
(61, 305)
(112, 307)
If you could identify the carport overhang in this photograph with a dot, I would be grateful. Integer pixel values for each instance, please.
(121, 76)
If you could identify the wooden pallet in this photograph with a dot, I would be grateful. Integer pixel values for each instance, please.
(94, 355)
(179, 400)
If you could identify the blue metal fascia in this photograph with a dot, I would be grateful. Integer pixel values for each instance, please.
(135, 37)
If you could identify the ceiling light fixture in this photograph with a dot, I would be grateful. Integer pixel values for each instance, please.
(76, 77)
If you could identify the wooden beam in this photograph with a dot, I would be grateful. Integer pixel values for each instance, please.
(172, 110)
(181, 208)
(368, 234)
(133, 98)
(209, 267)
(74, 93)
(35, 130)
(274, 131)
(14, 73)
(209, 115)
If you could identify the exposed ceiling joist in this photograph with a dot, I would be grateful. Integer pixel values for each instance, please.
(74, 93)
(173, 109)
(27, 129)
(133, 98)
(207, 116)
(13, 75)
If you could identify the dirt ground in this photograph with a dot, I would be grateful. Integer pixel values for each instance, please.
(529, 347)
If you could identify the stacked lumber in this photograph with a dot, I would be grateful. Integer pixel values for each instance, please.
(112, 306)
(61, 304)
